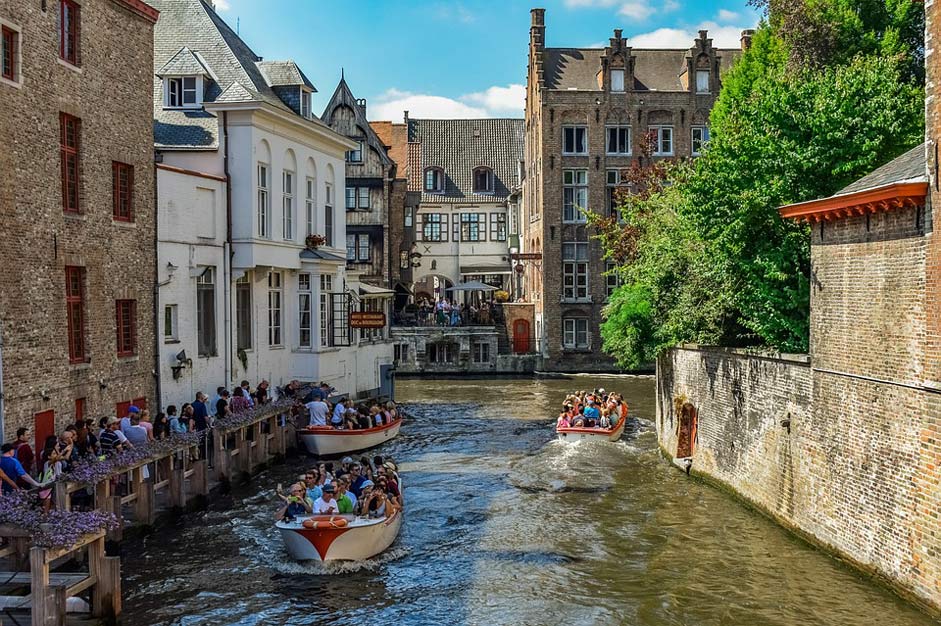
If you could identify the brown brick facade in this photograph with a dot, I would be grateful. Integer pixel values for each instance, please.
(111, 94)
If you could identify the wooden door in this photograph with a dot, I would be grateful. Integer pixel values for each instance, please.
(686, 435)
(44, 425)
(521, 337)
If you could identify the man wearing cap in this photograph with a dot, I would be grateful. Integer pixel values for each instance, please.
(110, 441)
(126, 419)
(326, 504)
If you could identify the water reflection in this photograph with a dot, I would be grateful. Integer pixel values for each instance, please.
(505, 525)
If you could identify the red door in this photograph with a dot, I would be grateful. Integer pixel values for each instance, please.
(44, 425)
(79, 410)
(521, 337)
(122, 409)
(686, 437)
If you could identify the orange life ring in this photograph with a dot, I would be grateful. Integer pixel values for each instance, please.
(325, 521)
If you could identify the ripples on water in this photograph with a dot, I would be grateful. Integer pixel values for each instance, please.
(505, 525)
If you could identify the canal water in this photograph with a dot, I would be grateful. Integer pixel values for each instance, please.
(505, 526)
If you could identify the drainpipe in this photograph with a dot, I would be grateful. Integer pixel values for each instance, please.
(227, 253)
(2, 432)
(156, 307)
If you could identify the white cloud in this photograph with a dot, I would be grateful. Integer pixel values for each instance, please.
(454, 12)
(636, 10)
(496, 101)
(722, 36)
(728, 16)
(222, 5)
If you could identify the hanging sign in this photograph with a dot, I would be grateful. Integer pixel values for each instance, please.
(367, 319)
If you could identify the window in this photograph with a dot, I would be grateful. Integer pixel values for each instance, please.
(357, 197)
(409, 213)
(126, 324)
(69, 31)
(350, 198)
(9, 49)
(434, 180)
(70, 129)
(575, 333)
(619, 140)
(440, 353)
(473, 226)
(326, 287)
(357, 248)
(612, 280)
(355, 156)
(363, 197)
(699, 139)
(122, 186)
(305, 104)
(434, 226)
(616, 187)
(363, 248)
(75, 312)
(483, 180)
(304, 311)
(400, 352)
(575, 270)
(702, 81)
(328, 214)
(206, 313)
(481, 352)
(287, 204)
(574, 195)
(574, 140)
(498, 227)
(662, 139)
(350, 247)
(372, 305)
(274, 308)
(243, 313)
(171, 332)
(264, 207)
(182, 92)
(617, 80)
(309, 204)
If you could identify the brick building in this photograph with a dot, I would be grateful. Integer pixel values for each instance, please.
(591, 113)
(76, 210)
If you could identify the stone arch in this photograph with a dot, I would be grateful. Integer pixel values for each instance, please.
(574, 117)
(263, 151)
(290, 160)
(660, 116)
(702, 61)
(618, 116)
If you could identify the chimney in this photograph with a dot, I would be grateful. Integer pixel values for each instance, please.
(746, 38)
(537, 31)
(616, 40)
(361, 103)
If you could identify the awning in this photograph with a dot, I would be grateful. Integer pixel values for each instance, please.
(372, 290)
(471, 286)
(502, 268)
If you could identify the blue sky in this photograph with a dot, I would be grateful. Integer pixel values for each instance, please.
(457, 59)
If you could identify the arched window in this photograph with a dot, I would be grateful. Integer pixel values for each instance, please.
(434, 179)
(483, 180)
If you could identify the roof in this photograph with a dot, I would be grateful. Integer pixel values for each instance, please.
(459, 146)
(234, 69)
(655, 69)
(343, 96)
(284, 74)
(185, 63)
(899, 183)
(321, 255)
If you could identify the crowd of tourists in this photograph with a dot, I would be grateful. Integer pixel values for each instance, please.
(364, 488)
(444, 312)
(344, 414)
(592, 409)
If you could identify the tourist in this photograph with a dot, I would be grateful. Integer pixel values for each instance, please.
(261, 393)
(239, 401)
(136, 433)
(145, 424)
(326, 472)
(314, 481)
(174, 423)
(201, 412)
(605, 421)
(24, 453)
(86, 441)
(375, 416)
(317, 411)
(109, 441)
(247, 393)
(296, 503)
(161, 426)
(126, 419)
(374, 504)
(212, 402)
(345, 499)
(13, 470)
(326, 504)
(356, 479)
(563, 421)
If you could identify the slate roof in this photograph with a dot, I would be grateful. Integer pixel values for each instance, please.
(453, 146)
(909, 167)
(186, 63)
(343, 96)
(194, 25)
(284, 74)
(654, 69)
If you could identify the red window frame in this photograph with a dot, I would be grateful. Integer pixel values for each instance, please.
(9, 52)
(79, 410)
(70, 34)
(75, 312)
(126, 325)
(70, 128)
(122, 183)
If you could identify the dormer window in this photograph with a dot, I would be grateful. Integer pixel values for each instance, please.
(355, 156)
(483, 180)
(434, 180)
(305, 104)
(617, 80)
(702, 81)
(182, 92)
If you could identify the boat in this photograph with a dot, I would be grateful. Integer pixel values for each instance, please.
(339, 537)
(599, 434)
(328, 441)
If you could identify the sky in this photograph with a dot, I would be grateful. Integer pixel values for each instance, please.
(457, 59)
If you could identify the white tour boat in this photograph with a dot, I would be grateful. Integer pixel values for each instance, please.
(328, 441)
(599, 434)
(339, 537)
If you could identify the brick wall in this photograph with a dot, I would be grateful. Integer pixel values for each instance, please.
(933, 137)
(112, 94)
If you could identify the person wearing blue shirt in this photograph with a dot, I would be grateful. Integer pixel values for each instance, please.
(13, 469)
(592, 412)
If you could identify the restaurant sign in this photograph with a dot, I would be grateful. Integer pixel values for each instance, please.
(367, 319)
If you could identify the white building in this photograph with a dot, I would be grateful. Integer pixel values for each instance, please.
(240, 292)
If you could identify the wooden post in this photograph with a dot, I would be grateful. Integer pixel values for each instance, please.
(144, 505)
(244, 446)
(221, 457)
(118, 509)
(199, 482)
(96, 557)
(278, 431)
(109, 588)
(39, 586)
(63, 500)
(58, 604)
(177, 486)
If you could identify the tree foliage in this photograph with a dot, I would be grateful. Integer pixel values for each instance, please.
(703, 254)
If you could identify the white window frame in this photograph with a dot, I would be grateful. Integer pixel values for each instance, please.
(470, 219)
(305, 306)
(172, 311)
(575, 273)
(311, 203)
(617, 85)
(612, 280)
(571, 331)
(305, 103)
(574, 130)
(702, 141)
(275, 310)
(498, 227)
(264, 200)
(662, 130)
(287, 205)
(437, 180)
(613, 180)
(702, 81)
(328, 224)
(574, 184)
(490, 180)
(326, 287)
(619, 150)
(181, 82)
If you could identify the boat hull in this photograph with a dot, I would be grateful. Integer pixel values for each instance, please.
(326, 441)
(362, 539)
(596, 434)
